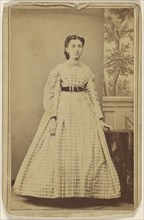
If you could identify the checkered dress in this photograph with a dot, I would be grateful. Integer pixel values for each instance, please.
(76, 161)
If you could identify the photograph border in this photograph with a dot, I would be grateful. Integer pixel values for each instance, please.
(6, 172)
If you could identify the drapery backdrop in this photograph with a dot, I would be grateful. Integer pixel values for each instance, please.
(36, 46)
(119, 52)
(119, 73)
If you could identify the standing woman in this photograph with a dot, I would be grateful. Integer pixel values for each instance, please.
(69, 156)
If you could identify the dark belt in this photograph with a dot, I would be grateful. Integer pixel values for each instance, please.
(72, 89)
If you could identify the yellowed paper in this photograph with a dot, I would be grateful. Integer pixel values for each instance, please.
(33, 45)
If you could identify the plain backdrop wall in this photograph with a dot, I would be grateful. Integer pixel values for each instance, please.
(36, 46)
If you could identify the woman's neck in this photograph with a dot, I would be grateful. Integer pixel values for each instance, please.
(73, 61)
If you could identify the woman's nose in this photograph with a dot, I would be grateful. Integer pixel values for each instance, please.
(77, 49)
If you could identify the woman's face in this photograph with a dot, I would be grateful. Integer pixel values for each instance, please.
(75, 49)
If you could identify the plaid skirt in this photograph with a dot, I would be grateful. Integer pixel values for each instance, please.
(73, 163)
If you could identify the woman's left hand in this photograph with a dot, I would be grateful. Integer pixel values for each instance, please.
(105, 126)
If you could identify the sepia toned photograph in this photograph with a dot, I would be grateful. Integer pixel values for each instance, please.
(71, 103)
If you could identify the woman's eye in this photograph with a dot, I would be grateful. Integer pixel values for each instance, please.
(80, 46)
(73, 45)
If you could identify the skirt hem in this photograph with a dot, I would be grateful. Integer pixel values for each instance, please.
(118, 195)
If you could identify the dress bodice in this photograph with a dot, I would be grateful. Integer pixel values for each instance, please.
(73, 75)
(69, 75)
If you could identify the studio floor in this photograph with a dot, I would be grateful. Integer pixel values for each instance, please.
(79, 206)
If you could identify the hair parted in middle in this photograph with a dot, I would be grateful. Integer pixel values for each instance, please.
(68, 39)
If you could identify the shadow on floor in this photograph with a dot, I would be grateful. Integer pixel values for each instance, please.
(72, 202)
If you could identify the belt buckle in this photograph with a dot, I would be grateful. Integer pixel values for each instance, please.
(70, 88)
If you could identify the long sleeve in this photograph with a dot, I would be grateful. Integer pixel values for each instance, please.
(51, 94)
(92, 93)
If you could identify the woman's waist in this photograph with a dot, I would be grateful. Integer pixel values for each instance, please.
(72, 98)
(72, 89)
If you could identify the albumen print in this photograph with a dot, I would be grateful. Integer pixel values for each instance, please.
(70, 72)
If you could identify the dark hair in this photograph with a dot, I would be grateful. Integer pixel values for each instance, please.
(68, 39)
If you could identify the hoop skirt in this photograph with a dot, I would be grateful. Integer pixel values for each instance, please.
(75, 162)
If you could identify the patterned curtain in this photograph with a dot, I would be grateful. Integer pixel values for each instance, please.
(118, 52)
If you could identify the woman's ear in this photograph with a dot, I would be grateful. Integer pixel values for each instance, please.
(66, 49)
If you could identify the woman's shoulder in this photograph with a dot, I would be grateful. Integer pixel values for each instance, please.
(85, 66)
(60, 67)
(57, 70)
(87, 69)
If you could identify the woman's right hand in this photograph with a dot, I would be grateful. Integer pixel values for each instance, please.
(52, 126)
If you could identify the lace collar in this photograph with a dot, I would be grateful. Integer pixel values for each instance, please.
(74, 63)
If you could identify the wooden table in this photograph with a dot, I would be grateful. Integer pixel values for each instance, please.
(120, 144)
